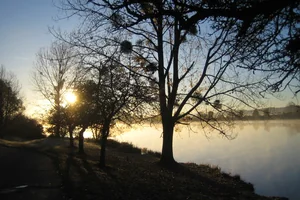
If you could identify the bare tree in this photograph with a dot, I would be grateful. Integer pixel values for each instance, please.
(122, 94)
(57, 69)
(196, 53)
(112, 93)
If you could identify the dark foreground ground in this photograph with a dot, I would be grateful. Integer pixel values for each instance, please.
(28, 175)
(49, 169)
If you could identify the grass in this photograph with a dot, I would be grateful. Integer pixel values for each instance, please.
(134, 173)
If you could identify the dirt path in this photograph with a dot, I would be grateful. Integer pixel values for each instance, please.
(28, 175)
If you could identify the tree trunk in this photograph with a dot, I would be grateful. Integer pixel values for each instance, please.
(104, 135)
(167, 157)
(102, 162)
(166, 114)
(81, 141)
(71, 130)
(71, 139)
(57, 130)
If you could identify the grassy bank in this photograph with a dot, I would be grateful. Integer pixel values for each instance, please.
(133, 173)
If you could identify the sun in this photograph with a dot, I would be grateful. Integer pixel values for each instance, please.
(70, 97)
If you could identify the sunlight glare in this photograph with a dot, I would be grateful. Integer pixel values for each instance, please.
(70, 97)
(88, 134)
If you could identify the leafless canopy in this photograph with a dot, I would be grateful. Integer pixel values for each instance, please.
(198, 54)
(56, 70)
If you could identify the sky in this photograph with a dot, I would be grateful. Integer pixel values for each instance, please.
(24, 29)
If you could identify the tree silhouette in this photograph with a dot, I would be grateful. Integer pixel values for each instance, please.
(10, 101)
(119, 93)
(69, 121)
(57, 69)
(196, 52)
(84, 113)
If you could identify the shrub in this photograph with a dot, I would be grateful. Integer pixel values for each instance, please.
(24, 127)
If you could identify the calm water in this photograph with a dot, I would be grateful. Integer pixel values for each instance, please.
(265, 153)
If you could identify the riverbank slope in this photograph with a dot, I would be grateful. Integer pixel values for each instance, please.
(133, 173)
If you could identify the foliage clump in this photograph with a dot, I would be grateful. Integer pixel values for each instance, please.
(23, 127)
(126, 47)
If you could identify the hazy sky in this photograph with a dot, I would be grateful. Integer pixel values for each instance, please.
(24, 30)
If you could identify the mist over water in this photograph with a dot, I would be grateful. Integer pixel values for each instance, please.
(265, 153)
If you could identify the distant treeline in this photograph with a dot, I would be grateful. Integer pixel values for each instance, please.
(288, 112)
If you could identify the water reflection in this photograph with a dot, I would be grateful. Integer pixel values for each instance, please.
(265, 153)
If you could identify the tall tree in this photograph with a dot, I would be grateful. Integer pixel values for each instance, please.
(197, 52)
(57, 69)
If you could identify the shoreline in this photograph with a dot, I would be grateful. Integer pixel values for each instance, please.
(131, 174)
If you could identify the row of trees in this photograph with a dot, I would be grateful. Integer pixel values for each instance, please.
(105, 92)
(182, 56)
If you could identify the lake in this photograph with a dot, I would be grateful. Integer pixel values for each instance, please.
(265, 153)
